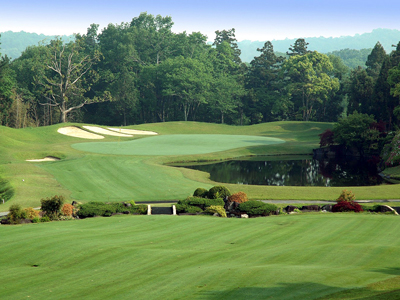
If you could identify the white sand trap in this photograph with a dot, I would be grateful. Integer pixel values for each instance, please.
(134, 131)
(79, 133)
(47, 158)
(105, 131)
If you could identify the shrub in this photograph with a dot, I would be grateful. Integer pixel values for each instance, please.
(326, 138)
(216, 209)
(101, 209)
(31, 213)
(16, 214)
(201, 202)
(347, 196)
(344, 206)
(52, 206)
(200, 192)
(253, 207)
(218, 191)
(186, 208)
(239, 197)
(140, 209)
(67, 209)
(93, 209)
(36, 220)
(45, 219)
(346, 202)
(193, 209)
(131, 202)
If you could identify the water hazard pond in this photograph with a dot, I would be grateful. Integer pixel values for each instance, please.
(290, 171)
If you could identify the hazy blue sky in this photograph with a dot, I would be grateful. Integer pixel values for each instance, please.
(252, 19)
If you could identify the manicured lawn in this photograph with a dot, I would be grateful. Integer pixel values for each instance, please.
(185, 257)
(177, 144)
(121, 178)
(140, 172)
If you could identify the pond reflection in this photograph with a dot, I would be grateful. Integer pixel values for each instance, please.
(290, 172)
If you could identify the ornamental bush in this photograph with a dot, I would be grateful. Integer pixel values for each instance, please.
(347, 196)
(101, 209)
(253, 207)
(218, 191)
(345, 206)
(186, 208)
(201, 202)
(200, 192)
(346, 202)
(52, 206)
(67, 210)
(16, 214)
(216, 209)
(31, 213)
(239, 197)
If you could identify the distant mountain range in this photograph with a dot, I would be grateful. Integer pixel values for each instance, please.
(387, 37)
(13, 43)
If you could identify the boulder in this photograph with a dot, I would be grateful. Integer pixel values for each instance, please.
(327, 207)
(310, 207)
(290, 208)
(245, 216)
(231, 205)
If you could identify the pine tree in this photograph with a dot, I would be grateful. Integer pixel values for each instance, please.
(299, 48)
(375, 60)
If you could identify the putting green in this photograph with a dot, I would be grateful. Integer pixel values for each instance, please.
(177, 144)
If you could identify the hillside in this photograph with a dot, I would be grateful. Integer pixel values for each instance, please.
(387, 37)
(14, 43)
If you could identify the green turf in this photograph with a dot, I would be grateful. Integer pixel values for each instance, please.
(169, 257)
(177, 144)
(121, 178)
(86, 176)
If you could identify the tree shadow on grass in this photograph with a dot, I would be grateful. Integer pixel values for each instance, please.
(384, 290)
(389, 271)
(306, 290)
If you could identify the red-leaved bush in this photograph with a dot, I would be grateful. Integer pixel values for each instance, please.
(326, 138)
(239, 197)
(344, 206)
(346, 202)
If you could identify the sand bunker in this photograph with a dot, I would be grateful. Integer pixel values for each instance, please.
(79, 133)
(105, 131)
(134, 131)
(47, 158)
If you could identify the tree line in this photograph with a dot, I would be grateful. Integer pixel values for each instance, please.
(142, 72)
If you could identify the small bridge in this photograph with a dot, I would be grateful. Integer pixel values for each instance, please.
(157, 210)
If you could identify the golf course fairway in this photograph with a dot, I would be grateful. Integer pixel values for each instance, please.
(138, 168)
(177, 144)
(310, 256)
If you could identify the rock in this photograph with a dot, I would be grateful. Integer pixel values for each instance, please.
(327, 207)
(290, 208)
(215, 215)
(4, 221)
(311, 207)
(245, 216)
(127, 204)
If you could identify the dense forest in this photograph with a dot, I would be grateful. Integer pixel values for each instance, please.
(141, 72)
